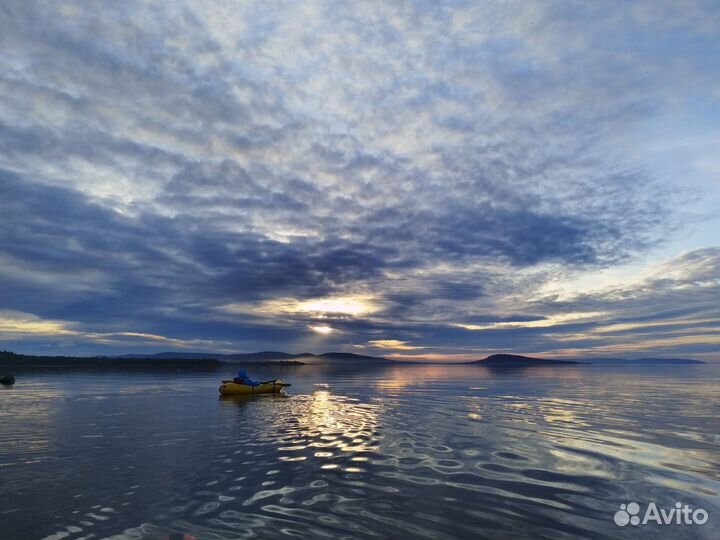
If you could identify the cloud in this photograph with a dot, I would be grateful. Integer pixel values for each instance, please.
(18, 326)
(396, 344)
(203, 163)
(545, 322)
(321, 329)
(670, 309)
(13, 324)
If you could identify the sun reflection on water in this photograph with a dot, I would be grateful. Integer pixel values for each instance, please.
(332, 423)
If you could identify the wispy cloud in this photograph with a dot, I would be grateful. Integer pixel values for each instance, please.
(416, 174)
(396, 344)
(545, 322)
(19, 326)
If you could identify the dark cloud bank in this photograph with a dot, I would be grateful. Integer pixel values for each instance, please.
(163, 173)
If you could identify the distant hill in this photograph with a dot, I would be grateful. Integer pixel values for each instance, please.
(203, 360)
(168, 355)
(335, 358)
(191, 359)
(264, 356)
(516, 360)
(273, 356)
(12, 360)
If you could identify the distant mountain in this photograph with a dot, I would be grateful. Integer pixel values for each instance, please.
(12, 360)
(166, 355)
(201, 360)
(263, 356)
(516, 360)
(641, 361)
(336, 358)
(333, 358)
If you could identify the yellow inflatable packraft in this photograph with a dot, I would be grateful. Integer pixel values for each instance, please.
(229, 388)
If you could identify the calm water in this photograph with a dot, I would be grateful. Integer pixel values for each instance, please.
(425, 452)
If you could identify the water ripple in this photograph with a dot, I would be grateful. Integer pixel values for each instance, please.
(416, 452)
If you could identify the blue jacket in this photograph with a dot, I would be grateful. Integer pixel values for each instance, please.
(243, 378)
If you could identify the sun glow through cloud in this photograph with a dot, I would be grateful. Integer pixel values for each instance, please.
(393, 344)
(317, 308)
(345, 305)
(471, 181)
(322, 329)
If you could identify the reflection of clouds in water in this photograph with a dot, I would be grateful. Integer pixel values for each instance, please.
(33, 422)
(416, 451)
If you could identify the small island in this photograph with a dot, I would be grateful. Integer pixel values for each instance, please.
(516, 360)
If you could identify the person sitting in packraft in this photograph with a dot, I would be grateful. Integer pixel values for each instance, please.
(243, 378)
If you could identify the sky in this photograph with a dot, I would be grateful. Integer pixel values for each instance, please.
(426, 180)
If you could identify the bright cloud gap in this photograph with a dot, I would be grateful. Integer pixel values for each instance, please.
(471, 181)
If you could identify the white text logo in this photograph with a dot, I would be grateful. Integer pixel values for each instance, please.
(680, 514)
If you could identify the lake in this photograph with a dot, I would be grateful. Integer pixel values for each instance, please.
(415, 451)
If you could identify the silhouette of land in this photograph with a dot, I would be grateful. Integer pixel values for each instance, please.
(201, 360)
(516, 360)
(170, 360)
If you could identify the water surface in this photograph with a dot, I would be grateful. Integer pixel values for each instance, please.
(427, 452)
